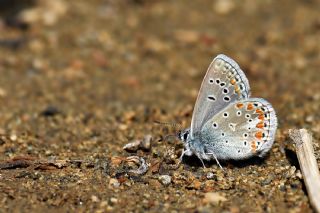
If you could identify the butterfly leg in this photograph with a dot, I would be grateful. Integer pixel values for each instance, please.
(199, 156)
(215, 159)
(181, 156)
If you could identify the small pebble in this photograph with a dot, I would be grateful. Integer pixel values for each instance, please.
(165, 179)
(146, 142)
(310, 118)
(132, 146)
(94, 199)
(213, 198)
(223, 7)
(210, 175)
(13, 137)
(114, 183)
(104, 203)
(113, 200)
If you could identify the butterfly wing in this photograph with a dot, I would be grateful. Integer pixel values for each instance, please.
(223, 84)
(243, 129)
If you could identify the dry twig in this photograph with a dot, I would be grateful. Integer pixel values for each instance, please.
(308, 164)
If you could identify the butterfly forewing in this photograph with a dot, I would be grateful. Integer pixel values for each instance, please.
(223, 84)
(243, 129)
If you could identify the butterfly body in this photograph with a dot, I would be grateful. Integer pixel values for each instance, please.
(226, 122)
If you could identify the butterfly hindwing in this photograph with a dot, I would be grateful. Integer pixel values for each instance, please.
(243, 129)
(223, 84)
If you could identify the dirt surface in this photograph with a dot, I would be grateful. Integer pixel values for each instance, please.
(80, 79)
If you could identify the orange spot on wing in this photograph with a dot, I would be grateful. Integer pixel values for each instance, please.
(259, 111)
(260, 125)
(233, 81)
(236, 88)
(250, 106)
(253, 146)
(259, 135)
(261, 117)
(239, 105)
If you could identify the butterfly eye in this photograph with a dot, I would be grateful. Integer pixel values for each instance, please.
(185, 136)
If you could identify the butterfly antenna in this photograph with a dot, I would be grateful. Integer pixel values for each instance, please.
(174, 125)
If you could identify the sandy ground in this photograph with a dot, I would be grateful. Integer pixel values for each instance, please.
(80, 79)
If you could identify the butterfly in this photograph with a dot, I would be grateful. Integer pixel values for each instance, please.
(226, 122)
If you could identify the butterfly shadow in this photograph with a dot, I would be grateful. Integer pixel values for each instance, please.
(247, 162)
(194, 161)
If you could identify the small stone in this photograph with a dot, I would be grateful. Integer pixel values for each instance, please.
(3, 92)
(210, 175)
(187, 36)
(155, 45)
(291, 172)
(132, 146)
(165, 179)
(104, 203)
(114, 183)
(123, 127)
(213, 198)
(94, 199)
(113, 200)
(146, 142)
(46, 12)
(223, 7)
(310, 118)
(13, 137)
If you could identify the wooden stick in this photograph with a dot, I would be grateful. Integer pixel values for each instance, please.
(308, 165)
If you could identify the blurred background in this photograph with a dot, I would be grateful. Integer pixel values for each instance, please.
(79, 78)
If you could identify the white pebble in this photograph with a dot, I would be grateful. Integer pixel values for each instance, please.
(165, 179)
